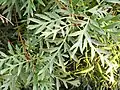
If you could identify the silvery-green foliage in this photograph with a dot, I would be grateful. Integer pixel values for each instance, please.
(71, 44)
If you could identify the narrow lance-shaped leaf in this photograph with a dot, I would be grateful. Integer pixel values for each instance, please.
(41, 2)
(4, 70)
(57, 84)
(41, 28)
(99, 68)
(86, 70)
(10, 48)
(43, 17)
(61, 61)
(3, 54)
(81, 43)
(113, 1)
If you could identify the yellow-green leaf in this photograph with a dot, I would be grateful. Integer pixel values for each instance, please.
(86, 70)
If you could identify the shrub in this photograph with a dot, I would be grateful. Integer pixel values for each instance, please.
(72, 44)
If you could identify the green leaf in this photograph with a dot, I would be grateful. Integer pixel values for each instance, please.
(75, 82)
(10, 48)
(54, 34)
(92, 52)
(52, 15)
(76, 33)
(99, 68)
(73, 53)
(65, 83)
(3, 54)
(102, 59)
(5, 86)
(43, 69)
(19, 69)
(35, 82)
(113, 1)
(57, 84)
(44, 17)
(46, 34)
(4, 70)
(93, 10)
(86, 70)
(41, 28)
(36, 21)
(81, 43)
(105, 77)
(41, 2)
(33, 26)
(61, 61)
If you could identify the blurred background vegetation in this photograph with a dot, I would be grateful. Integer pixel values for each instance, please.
(59, 44)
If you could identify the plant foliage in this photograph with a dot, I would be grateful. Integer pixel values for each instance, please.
(58, 44)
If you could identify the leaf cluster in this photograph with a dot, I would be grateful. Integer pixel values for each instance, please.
(72, 44)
